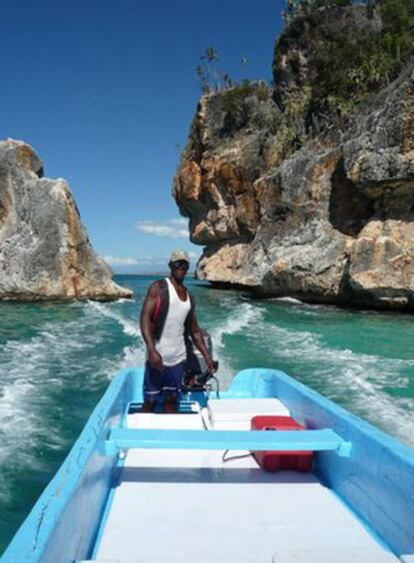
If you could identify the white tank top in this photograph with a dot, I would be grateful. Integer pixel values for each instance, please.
(171, 345)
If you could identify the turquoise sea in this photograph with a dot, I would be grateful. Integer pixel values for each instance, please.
(57, 359)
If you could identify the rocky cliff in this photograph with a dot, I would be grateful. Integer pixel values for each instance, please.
(294, 194)
(45, 253)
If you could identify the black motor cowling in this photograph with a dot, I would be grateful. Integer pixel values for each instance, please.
(197, 372)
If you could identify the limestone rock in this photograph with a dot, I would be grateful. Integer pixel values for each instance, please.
(45, 253)
(225, 264)
(327, 218)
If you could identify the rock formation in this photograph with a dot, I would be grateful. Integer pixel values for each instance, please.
(286, 202)
(45, 253)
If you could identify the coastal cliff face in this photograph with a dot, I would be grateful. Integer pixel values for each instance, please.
(292, 201)
(45, 253)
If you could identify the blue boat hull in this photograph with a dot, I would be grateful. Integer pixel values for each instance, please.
(376, 480)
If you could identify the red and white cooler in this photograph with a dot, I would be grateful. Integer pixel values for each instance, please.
(278, 461)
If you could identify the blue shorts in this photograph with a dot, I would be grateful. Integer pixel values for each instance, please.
(168, 381)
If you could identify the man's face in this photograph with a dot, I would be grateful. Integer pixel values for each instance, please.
(179, 269)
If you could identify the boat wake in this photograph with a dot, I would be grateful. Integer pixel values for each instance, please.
(132, 355)
(38, 374)
(359, 382)
(30, 374)
(244, 316)
(130, 327)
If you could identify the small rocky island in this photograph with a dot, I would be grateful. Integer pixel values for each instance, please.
(306, 188)
(45, 253)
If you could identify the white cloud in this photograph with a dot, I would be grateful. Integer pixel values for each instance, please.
(152, 261)
(172, 228)
(117, 261)
(180, 221)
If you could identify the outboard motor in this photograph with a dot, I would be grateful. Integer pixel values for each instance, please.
(197, 373)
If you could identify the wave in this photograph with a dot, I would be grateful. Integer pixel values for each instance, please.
(129, 327)
(131, 355)
(25, 382)
(287, 300)
(358, 381)
(245, 315)
(34, 372)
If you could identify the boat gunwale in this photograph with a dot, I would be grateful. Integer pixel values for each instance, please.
(42, 534)
(376, 481)
(38, 539)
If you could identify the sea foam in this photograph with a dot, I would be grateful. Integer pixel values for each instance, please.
(358, 381)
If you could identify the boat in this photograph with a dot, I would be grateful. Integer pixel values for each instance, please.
(186, 487)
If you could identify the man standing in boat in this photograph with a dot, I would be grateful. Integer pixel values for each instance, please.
(167, 318)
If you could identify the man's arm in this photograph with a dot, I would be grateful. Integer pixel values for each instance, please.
(154, 358)
(197, 335)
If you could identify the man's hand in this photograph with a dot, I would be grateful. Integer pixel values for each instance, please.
(155, 359)
(212, 365)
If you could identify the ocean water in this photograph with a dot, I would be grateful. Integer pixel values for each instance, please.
(56, 360)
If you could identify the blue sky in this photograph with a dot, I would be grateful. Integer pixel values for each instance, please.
(105, 92)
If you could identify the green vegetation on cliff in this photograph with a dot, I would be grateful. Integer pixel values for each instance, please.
(352, 70)
(236, 103)
(331, 56)
(347, 68)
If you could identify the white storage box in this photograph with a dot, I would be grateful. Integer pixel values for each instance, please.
(165, 421)
(236, 414)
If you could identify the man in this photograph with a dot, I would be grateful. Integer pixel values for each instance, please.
(167, 316)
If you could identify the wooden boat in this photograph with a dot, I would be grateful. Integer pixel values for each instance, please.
(157, 488)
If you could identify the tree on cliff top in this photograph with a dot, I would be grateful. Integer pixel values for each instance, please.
(208, 72)
(210, 75)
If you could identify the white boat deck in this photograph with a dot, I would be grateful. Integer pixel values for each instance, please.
(187, 506)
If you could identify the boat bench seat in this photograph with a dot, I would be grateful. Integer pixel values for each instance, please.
(161, 421)
(236, 414)
(295, 556)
